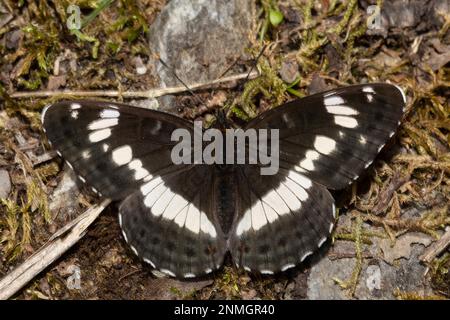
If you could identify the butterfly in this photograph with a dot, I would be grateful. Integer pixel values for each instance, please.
(183, 218)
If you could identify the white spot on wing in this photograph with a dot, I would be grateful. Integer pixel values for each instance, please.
(271, 215)
(333, 100)
(175, 206)
(308, 163)
(120, 219)
(180, 219)
(103, 123)
(140, 172)
(368, 89)
(149, 186)
(324, 144)
(362, 139)
(122, 155)
(189, 275)
(44, 112)
(193, 219)
(99, 135)
(258, 217)
(273, 199)
(297, 189)
(162, 202)
(206, 226)
(74, 114)
(168, 272)
(154, 195)
(266, 272)
(305, 255)
(289, 197)
(342, 110)
(82, 179)
(109, 113)
(149, 262)
(134, 250)
(347, 122)
(68, 163)
(124, 236)
(75, 106)
(402, 92)
(331, 227)
(300, 179)
(245, 223)
(287, 266)
(321, 242)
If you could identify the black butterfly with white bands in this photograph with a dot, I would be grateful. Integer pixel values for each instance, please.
(182, 219)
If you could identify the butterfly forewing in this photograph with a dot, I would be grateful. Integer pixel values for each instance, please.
(112, 147)
(332, 137)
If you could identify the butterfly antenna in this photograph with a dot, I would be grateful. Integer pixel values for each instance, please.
(256, 62)
(182, 82)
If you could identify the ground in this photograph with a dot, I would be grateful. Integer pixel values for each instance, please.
(387, 219)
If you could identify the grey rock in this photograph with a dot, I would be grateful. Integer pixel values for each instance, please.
(5, 184)
(320, 282)
(199, 40)
(378, 279)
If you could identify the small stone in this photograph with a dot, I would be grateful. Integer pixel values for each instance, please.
(198, 40)
(373, 280)
(56, 82)
(5, 184)
(140, 66)
(317, 84)
(289, 71)
(13, 39)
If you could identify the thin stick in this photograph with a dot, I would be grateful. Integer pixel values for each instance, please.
(436, 248)
(152, 93)
(58, 244)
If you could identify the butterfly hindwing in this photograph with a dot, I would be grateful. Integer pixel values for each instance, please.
(282, 219)
(171, 223)
(331, 137)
